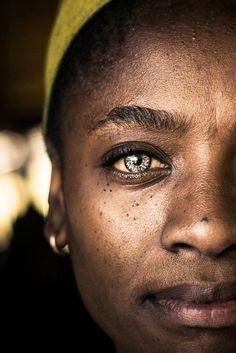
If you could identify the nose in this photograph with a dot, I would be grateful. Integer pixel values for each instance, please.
(204, 221)
(210, 238)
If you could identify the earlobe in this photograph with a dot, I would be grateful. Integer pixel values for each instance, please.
(63, 251)
(55, 226)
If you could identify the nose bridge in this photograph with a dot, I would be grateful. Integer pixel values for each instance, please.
(208, 193)
(211, 187)
(204, 217)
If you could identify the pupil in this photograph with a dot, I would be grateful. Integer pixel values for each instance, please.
(139, 160)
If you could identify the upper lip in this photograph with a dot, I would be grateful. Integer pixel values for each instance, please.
(199, 294)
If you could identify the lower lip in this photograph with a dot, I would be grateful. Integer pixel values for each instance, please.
(210, 315)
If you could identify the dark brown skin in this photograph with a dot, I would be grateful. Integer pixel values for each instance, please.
(127, 236)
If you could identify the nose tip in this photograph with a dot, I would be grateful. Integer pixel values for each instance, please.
(210, 237)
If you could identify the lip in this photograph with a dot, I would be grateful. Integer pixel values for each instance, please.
(206, 306)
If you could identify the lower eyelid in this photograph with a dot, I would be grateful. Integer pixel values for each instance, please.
(150, 173)
(140, 178)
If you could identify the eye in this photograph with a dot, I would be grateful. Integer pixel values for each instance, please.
(138, 163)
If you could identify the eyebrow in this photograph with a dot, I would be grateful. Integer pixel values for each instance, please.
(146, 118)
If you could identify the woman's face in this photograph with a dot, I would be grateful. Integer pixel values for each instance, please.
(148, 200)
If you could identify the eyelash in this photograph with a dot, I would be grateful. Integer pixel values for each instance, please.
(122, 151)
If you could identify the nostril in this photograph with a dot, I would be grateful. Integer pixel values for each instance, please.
(181, 246)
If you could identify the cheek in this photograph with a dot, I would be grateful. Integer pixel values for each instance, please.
(114, 233)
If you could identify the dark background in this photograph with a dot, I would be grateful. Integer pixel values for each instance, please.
(40, 304)
(25, 28)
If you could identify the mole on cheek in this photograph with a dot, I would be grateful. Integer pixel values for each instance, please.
(205, 220)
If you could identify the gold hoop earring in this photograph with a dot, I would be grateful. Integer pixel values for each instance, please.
(63, 251)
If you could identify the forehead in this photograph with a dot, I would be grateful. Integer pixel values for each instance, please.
(186, 65)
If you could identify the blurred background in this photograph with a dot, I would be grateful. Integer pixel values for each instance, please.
(37, 290)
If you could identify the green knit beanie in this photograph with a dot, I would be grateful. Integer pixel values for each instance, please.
(72, 16)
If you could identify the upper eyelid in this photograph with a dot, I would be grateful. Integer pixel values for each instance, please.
(125, 154)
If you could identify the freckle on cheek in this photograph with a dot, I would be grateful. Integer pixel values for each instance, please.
(100, 213)
(110, 190)
(127, 215)
(104, 190)
(151, 196)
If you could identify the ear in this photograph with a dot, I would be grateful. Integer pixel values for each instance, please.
(55, 224)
